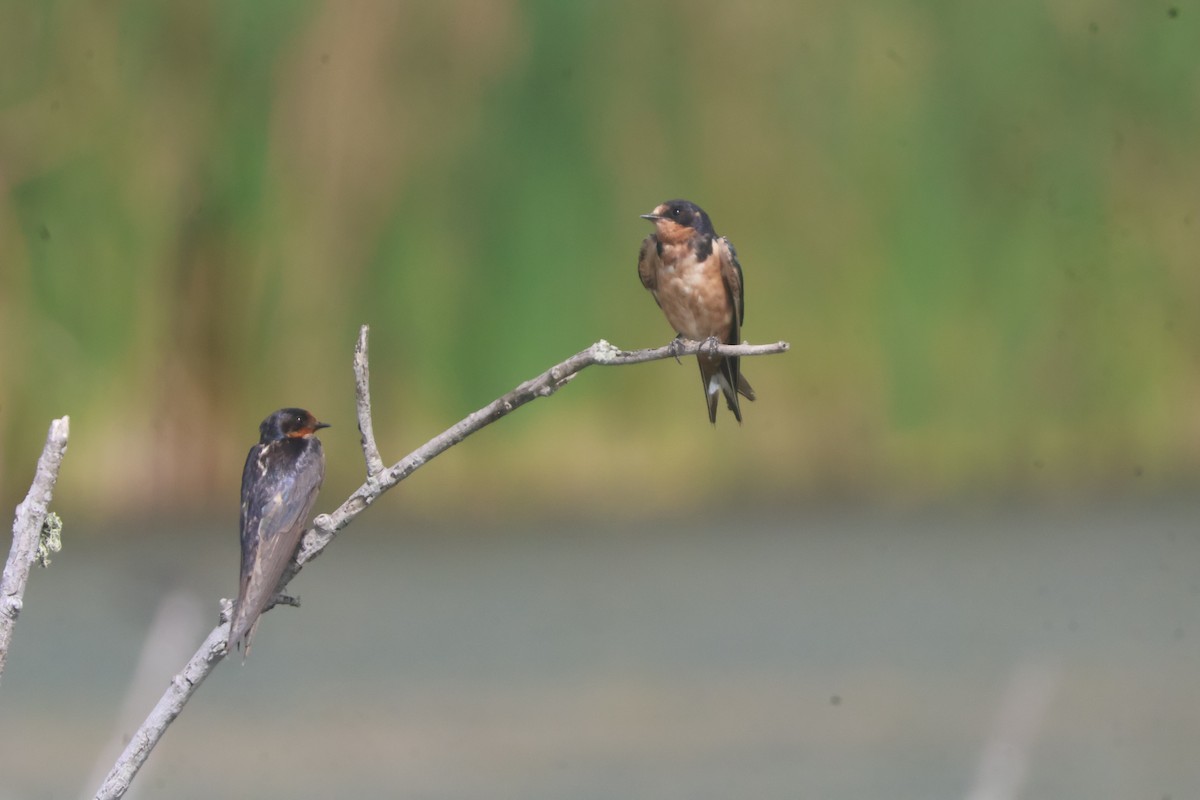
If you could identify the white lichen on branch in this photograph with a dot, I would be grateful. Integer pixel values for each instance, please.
(49, 539)
(28, 525)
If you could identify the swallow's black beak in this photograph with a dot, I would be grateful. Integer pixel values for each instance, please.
(652, 217)
(320, 425)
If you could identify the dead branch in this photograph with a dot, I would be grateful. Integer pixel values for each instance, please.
(27, 530)
(379, 480)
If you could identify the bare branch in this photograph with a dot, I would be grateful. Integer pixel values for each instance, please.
(362, 392)
(180, 617)
(27, 528)
(601, 353)
(181, 689)
(326, 526)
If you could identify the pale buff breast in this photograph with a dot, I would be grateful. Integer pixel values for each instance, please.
(693, 296)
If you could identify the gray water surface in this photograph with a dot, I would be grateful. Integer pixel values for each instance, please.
(964, 654)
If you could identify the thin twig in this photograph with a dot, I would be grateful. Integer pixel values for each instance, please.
(362, 391)
(27, 528)
(326, 526)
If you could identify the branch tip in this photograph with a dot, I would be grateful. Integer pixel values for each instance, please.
(362, 392)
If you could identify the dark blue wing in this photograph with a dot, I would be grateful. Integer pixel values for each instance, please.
(279, 487)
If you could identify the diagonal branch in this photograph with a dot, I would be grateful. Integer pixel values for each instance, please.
(27, 528)
(326, 526)
(599, 354)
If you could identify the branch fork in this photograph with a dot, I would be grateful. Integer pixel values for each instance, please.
(378, 480)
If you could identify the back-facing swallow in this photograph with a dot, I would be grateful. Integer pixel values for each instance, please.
(280, 481)
(696, 280)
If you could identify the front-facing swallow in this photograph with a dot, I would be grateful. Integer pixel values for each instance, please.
(280, 481)
(696, 280)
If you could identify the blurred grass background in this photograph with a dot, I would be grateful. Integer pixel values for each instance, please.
(975, 223)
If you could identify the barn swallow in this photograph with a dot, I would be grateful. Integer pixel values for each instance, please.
(696, 280)
(280, 481)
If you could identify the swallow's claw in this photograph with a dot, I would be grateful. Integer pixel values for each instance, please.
(673, 349)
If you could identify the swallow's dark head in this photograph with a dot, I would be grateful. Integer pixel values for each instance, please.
(289, 423)
(677, 220)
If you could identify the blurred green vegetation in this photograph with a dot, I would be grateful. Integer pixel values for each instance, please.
(975, 222)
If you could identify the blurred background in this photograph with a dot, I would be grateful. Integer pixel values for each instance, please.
(976, 223)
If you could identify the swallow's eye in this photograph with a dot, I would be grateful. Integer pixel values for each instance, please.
(676, 212)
